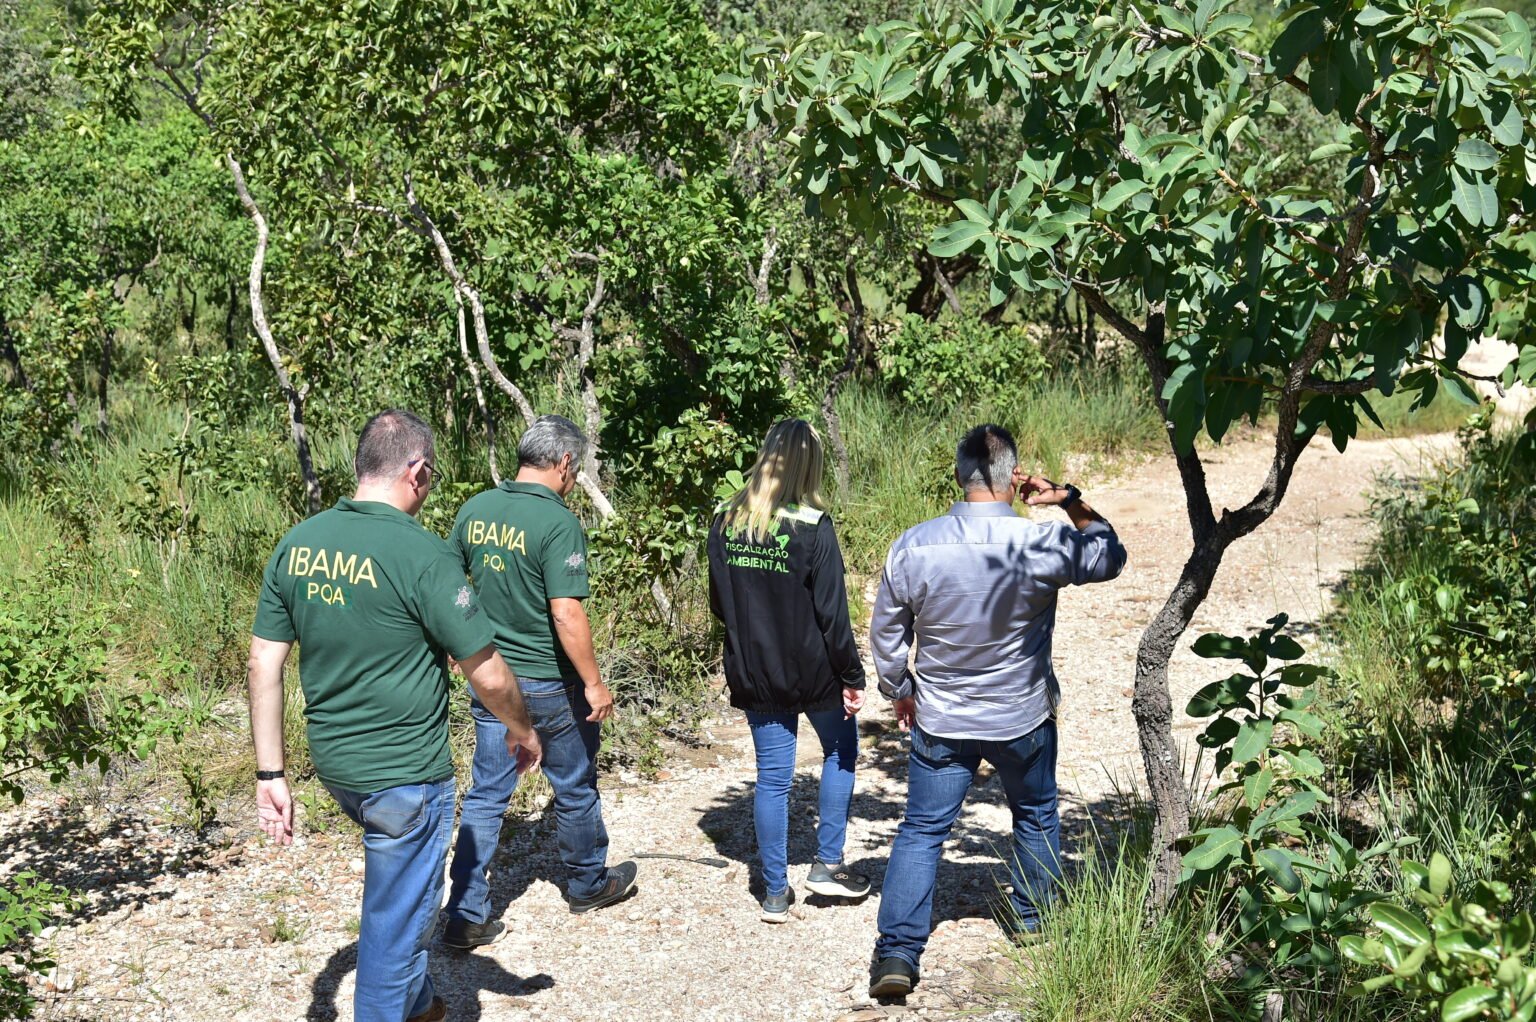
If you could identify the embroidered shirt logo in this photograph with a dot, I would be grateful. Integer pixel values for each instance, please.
(575, 561)
(463, 599)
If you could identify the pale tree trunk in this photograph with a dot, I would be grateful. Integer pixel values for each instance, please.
(470, 294)
(294, 396)
(486, 415)
(834, 385)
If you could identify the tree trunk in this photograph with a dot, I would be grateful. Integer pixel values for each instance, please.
(486, 416)
(850, 361)
(294, 396)
(1152, 706)
(468, 292)
(19, 377)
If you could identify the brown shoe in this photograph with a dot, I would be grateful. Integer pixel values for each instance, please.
(436, 1012)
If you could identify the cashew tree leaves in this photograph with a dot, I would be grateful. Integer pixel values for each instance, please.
(1256, 282)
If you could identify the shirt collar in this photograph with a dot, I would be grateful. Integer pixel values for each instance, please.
(532, 489)
(372, 507)
(983, 509)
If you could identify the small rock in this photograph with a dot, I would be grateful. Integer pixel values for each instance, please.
(60, 980)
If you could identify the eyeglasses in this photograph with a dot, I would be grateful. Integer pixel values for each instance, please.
(433, 475)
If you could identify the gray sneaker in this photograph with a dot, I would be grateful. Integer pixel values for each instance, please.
(776, 906)
(836, 881)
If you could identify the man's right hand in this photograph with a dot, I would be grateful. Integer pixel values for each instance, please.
(906, 712)
(274, 810)
(601, 701)
(526, 750)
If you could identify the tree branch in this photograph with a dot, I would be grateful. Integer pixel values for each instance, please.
(294, 396)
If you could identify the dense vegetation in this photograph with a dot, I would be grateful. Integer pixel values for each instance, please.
(229, 232)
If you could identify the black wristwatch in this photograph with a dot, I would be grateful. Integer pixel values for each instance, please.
(1073, 496)
(269, 775)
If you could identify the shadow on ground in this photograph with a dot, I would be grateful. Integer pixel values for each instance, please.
(113, 864)
(966, 890)
(459, 978)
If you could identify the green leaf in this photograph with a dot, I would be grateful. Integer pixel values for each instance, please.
(1275, 863)
(1283, 647)
(1252, 739)
(1361, 950)
(1256, 787)
(1372, 16)
(1439, 875)
(1476, 200)
(974, 211)
(1400, 924)
(1331, 149)
(955, 238)
(1119, 193)
(1219, 845)
(1475, 154)
(1468, 1002)
(1295, 806)
(1214, 646)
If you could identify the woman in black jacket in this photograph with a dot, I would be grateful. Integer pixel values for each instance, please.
(776, 583)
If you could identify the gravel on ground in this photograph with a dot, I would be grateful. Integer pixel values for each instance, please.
(177, 929)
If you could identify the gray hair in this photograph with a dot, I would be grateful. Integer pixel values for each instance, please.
(390, 442)
(985, 459)
(550, 438)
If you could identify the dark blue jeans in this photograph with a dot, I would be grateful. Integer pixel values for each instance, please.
(405, 840)
(559, 712)
(939, 773)
(774, 736)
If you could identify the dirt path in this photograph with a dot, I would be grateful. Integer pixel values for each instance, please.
(250, 933)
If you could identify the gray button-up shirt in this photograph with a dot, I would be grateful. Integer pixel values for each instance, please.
(978, 587)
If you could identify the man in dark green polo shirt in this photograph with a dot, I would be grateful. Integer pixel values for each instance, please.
(376, 604)
(527, 555)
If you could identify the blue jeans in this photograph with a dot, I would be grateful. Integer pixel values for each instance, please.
(559, 712)
(773, 736)
(940, 771)
(405, 840)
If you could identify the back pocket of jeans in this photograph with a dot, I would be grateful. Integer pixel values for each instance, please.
(395, 812)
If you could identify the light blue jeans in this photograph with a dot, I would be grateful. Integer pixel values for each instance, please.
(939, 773)
(559, 712)
(774, 736)
(405, 841)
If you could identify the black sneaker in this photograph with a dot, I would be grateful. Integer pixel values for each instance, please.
(621, 880)
(892, 977)
(836, 881)
(776, 906)
(461, 934)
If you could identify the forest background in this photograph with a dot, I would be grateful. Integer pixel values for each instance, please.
(228, 234)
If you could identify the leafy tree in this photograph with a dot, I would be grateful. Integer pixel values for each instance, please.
(1142, 180)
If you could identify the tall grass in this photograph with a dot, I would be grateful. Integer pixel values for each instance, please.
(1101, 960)
(902, 456)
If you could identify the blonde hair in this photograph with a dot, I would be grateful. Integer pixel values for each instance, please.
(787, 471)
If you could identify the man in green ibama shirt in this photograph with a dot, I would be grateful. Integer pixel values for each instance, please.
(377, 604)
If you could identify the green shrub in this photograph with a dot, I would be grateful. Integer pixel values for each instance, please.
(54, 714)
(958, 359)
(1467, 956)
(27, 904)
(1291, 883)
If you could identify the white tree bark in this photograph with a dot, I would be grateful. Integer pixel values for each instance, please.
(485, 410)
(467, 292)
(294, 396)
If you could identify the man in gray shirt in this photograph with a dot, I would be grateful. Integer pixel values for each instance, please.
(976, 588)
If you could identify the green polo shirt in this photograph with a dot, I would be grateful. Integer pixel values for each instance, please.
(523, 547)
(374, 601)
